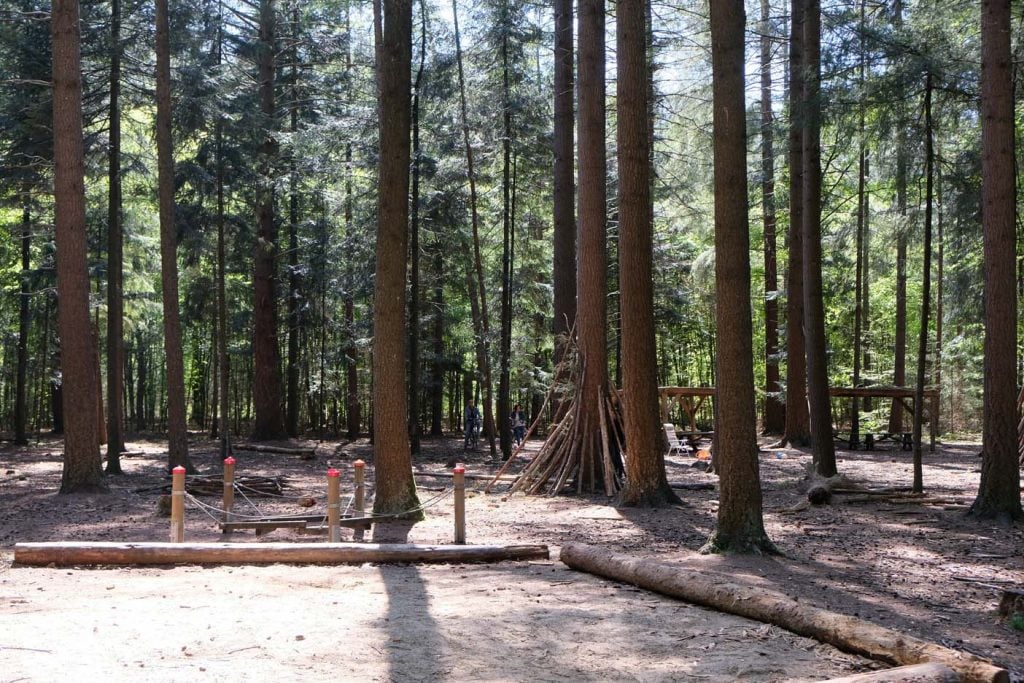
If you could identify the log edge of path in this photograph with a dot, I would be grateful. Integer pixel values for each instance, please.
(847, 633)
(79, 553)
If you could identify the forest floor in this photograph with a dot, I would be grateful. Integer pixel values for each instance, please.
(923, 568)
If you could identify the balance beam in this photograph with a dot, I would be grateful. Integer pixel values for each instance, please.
(68, 553)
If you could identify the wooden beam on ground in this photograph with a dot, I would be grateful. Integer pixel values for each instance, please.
(917, 673)
(717, 592)
(263, 448)
(63, 554)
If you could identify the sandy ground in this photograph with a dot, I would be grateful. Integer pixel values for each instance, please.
(923, 568)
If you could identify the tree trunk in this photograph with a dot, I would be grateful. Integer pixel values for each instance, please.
(740, 525)
(396, 489)
(900, 342)
(177, 428)
(646, 484)
(819, 406)
(797, 419)
(999, 490)
(414, 250)
(24, 318)
(269, 421)
(563, 193)
(437, 364)
(81, 471)
(507, 228)
(926, 282)
(477, 290)
(115, 257)
(223, 362)
(774, 410)
(293, 396)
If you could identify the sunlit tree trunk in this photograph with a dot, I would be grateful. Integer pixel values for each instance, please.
(563, 193)
(115, 258)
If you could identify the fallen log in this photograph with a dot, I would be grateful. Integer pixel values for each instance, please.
(262, 448)
(692, 486)
(844, 632)
(63, 554)
(917, 673)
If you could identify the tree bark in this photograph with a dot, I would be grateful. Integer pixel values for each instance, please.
(774, 410)
(396, 489)
(899, 372)
(269, 420)
(81, 471)
(177, 428)
(740, 525)
(223, 362)
(819, 406)
(797, 419)
(847, 633)
(646, 484)
(115, 257)
(24, 318)
(563, 193)
(293, 399)
(507, 228)
(999, 490)
(414, 250)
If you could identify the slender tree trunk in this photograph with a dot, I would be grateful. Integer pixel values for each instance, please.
(797, 419)
(505, 340)
(437, 364)
(999, 490)
(21, 390)
(223, 362)
(395, 487)
(774, 410)
(563, 194)
(740, 525)
(177, 428)
(353, 416)
(414, 248)
(293, 398)
(115, 258)
(646, 484)
(81, 472)
(940, 254)
(481, 324)
(858, 312)
(820, 408)
(926, 283)
(269, 421)
(900, 342)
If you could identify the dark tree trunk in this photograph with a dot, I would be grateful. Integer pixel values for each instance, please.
(999, 490)
(819, 406)
(293, 398)
(21, 390)
(563, 194)
(269, 421)
(740, 526)
(437, 364)
(646, 484)
(81, 471)
(774, 409)
(798, 430)
(414, 249)
(223, 362)
(395, 487)
(508, 226)
(115, 257)
(177, 427)
(926, 284)
(899, 372)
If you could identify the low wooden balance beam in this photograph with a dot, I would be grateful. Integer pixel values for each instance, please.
(77, 553)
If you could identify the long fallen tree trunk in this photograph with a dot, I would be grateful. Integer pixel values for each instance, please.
(917, 673)
(85, 553)
(844, 632)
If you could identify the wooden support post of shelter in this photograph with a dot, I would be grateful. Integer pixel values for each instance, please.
(68, 553)
(359, 496)
(333, 505)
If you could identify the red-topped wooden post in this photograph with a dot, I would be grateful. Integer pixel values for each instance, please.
(229, 487)
(178, 505)
(459, 483)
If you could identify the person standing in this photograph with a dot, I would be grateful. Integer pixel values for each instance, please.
(517, 420)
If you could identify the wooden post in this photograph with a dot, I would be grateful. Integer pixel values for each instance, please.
(178, 505)
(459, 482)
(333, 505)
(229, 487)
(359, 496)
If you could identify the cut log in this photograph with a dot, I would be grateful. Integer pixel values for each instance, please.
(64, 554)
(917, 673)
(263, 448)
(844, 632)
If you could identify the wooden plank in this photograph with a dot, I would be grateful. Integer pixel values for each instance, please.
(68, 553)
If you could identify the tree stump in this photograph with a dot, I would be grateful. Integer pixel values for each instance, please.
(1012, 602)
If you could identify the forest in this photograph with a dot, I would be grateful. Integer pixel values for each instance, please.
(312, 248)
